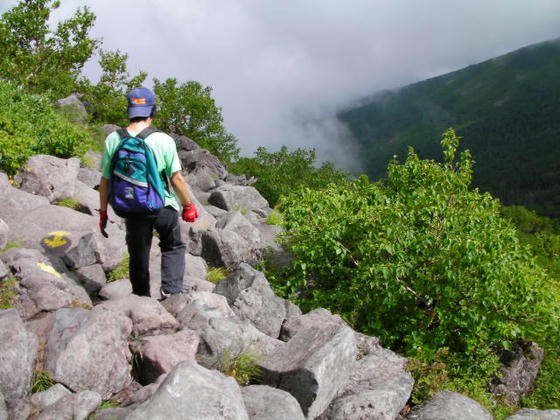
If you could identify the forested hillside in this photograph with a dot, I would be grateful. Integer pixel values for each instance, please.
(506, 109)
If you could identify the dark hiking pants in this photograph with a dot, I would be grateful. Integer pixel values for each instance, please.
(139, 231)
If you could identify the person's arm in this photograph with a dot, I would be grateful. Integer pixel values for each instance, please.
(103, 194)
(180, 187)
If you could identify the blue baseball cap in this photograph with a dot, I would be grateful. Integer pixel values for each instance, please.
(141, 100)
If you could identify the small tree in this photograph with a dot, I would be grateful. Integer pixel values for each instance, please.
(39, 58)
(189, 109)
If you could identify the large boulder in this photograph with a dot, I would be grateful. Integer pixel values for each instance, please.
(75, 106)
(18, 350)
(251, 298)
(147, 315)
(267, 403)
(518, 373)
(313, 366)
(44, 284)
(184, 143)
(159, 354)
(192, 392)
(92, 278)
(76, 406)
(237, 197)
(201, 159)
(3, 408)
(225, 248)
(532, 414)
(49, 176)
(237, 223)
(89, 350)
(43, 399)
(447, 405)
(4, 234)
(116, 290)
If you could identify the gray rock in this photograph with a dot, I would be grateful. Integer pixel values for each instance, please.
(92, 278)
(379, 388)
(147, 314)
(216, 211)
(43, 287)
(237, 197)
(88, 199)
(43, 399)
(225, 248)
(143, 394)
(161, 353)
(116, 290)
(517, 375)
(314, 318)
(18, 350)
(73, 407)
(194, 284)
(194, 309)
(4, 271)
(251, 298)
(81, 251)
(204, 220)
(192, 236)
(73, 101)
(50, 176)
(109, 128)
(4, 234)
(202, 179)
(532, 414)
(192, 392)
(14, 198)
(237, 223)
(89, 177)
(3, 408)
(447, 405)
(184, 143)
(89, 350)
(19, 410)
(240, 179)
(195, 266)
(202, 159)
(267, 403)
(313, 366)
(116, 413)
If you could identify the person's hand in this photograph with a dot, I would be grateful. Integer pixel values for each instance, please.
(103, 222)
(190, 213)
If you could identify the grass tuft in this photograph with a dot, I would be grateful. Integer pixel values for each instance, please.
(8, 293)
(215, 274)
(42, 380)
(241, 366)
(121, 271)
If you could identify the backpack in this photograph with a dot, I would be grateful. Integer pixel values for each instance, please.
(135, 185)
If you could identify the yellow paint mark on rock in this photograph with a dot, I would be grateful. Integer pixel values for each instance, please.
(29, 168)
(48, 268)
(57, 240)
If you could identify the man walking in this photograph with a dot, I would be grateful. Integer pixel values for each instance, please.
(140, 225)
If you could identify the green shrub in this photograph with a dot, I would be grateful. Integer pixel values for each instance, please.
(69, 202)
(418, 260)
(8, 293)
(275, 218)
(241, 366)
(215, 274)
(121, 271)
(29, 124)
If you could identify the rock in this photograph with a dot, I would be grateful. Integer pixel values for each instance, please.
(251, 298)
(196, 308)
(3, 408)
(267, 403)
(517, 375)
(202, 179)
(144, 393)
(185, 143)
(50, 176)
(92, 278)
(314, 318)
(193, 284)
(161, 353)
(237, 197)
(237, 223)
(240, 179)
(532, 414)
(450, 405)
(74, 406)
(225, 248)
(89, 350)
(192, 236)
(192, 392)
(43, 399)
(379, 388)
(73, 101)
(88, 200)
(116, 290)
(204, 220)
(195, 266)
(14, 198)
(81, 251)
(4, 271)
(201, 159)
(117, 413)
(43, 286)
(4, 234)
(18, 350)
(313, 366)
(89, 177)
(216, 211)
(109, 128)
(147, 314)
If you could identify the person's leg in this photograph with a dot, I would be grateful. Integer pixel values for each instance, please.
(139, 233)
(172, 251)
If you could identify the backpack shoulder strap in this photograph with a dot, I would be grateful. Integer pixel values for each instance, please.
(146, 132)
(123, 132)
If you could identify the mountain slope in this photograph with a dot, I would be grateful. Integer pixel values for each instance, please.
(506, 109)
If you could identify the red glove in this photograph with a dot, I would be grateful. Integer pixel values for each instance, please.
(190, 213)
(103, 222)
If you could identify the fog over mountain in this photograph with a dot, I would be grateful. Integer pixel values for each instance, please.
(274, 65)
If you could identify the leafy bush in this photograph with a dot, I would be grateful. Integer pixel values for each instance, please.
(419, 260)
(29, 124)
(280, 173)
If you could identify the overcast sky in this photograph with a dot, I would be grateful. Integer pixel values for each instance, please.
(273, 64)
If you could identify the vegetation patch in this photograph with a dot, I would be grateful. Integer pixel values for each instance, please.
(241, 366)
(42, 380)
(8, 292)
(121, 271)
(73, 204)
(275, 218)
(215, 274)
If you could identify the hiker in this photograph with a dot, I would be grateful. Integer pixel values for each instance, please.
(142, 196)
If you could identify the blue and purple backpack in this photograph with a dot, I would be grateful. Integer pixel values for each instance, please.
(136, 186)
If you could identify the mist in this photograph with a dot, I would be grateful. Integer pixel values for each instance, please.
(281, 70)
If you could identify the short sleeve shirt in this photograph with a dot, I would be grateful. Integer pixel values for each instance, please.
(165, 154)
